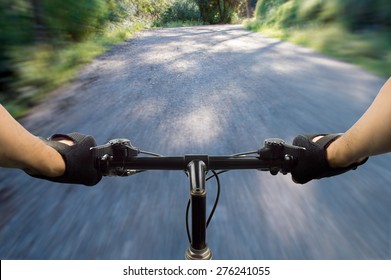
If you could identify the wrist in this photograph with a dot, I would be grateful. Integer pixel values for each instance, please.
(332, 157)
(47, 162)
(336, 154)
(55, 164)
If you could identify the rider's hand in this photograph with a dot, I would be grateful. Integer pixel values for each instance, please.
(79, 163)
(314, 163)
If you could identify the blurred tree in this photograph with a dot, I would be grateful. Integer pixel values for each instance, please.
(218, 11)
(360, 14)
(15, 22)
(15, 29)
(74, 19)
(35, 26)
(38, 19)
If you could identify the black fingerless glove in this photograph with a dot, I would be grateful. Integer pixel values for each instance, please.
(79, 163)
(314, 164)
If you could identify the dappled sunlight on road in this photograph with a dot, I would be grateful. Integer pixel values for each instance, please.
(198, 127)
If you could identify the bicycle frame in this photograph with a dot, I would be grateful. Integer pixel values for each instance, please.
(120, 158)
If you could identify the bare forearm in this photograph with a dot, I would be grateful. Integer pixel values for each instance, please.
(20, 149)
(369, 136)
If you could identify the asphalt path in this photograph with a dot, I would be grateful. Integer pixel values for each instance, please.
(215, 90)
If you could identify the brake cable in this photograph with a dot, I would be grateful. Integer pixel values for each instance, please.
(216, 175)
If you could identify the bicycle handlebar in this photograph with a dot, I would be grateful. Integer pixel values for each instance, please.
(120, 158)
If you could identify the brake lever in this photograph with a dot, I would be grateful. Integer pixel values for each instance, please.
(278, 149)
(115, 150)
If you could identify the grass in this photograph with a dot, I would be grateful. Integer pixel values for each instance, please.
(43, 68)
(370, 49)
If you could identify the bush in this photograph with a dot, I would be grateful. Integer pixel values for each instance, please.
(263, 7)
(181, 10)
(74, 19)
(359, 14)
(353, 14)
(121, 10)
(356, 31)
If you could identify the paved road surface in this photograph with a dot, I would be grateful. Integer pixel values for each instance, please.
(208, 89)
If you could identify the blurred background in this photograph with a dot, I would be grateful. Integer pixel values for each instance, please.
(45, 44)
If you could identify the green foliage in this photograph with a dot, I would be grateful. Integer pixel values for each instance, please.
(15, 28)
(15, 23)
(309, 9)
(357, 31)
(264, 7)
(117, 11)
(209, 10)
(362, 13)
(44, 42)
(218, 11)
(74, 19)
(353, 14)
(181, 11)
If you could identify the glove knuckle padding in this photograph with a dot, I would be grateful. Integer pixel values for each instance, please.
(314, 164)
(313, 161)
(78, 159)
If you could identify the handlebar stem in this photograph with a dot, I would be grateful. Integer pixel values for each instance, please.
(198, 248)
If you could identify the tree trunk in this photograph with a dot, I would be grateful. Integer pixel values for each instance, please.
(202, 6)
(221, 12)
(39, 26)
(248, 9)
